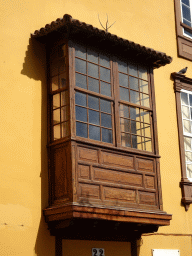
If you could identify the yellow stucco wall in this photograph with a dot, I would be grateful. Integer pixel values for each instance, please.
(23, 163)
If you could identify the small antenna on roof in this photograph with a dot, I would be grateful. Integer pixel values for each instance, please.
(107, 28)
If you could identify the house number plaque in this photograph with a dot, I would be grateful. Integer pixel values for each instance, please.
(98, 252)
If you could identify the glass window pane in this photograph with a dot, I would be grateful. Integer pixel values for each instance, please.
(80, 52)
(133, 70)
(56, 100)
(190, 99)
(93, 84)
(106, 120)
(93, 102)
(184, 98)
(133, 83)
(124, 94)
(107, 135)
(187, 143)
(148, 145)
(65, 129)
(61, 66)
(124, 111)
(81, 81)
(62, 80)
(188, 24)
(143, 73)
(186, 12)
(54, 68)
(93, 70)
(94, 117)
(81, 130)
(189, 170)
(105, 74)
(105, 106)
(64, 113)
(106, 89)
(188, 156)
(61, 50)
(187, 126)
(80, 66)
(92, 56)
(104, 61)
(146, 130)
(145, 116)
(185, 112)
(126, 140)
(81, 114)
(186, 32)
(56, 132)
(134, 97)
(185, 2)
(125, 125)
(133, 127)
(123, 80)
(144, 100)
(122, 66)
(64, 98)
(134, 141)
(55, 83)
(143, 86)
(56, 116)
(80, 99)
(94, 132)
(191, 112)
(139, 143)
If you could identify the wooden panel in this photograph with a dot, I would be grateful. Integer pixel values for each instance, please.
(111, 176)
(121, 195)
(147, 198)
(149, 182)
(89, 191)
(87, 154)
(117, 160)
(60, 163)
(84, 172)
(145, 165)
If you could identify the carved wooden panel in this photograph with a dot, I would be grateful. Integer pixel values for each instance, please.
(117, 160)
(149, 182)
(147, 198)
(117, 177)
(145, 165)
(89, 191)
(88, 155)
(84, 172)
(119, 195)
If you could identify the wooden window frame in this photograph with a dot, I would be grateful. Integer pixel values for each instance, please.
(182, 83)
(184, 42)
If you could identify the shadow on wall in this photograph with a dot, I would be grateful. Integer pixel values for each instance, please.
(34, 67)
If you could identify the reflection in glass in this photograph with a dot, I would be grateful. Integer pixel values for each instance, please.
(107, 135)
(124, 111)
(123, 80)
(187, 143)
(148, 145)
(125, 125)
(104, 61)
(94, 132)
(64, 113)
(106, 89)
(81, 81)
(61, 50)
(56, 100)
(134, 141)
(81, 130)
(124, 94)
(187, 126)
(143, 73)
(190, 99)
(92, 56)
(80, 99)
(105, 106)
(93, 70)
(56, 132)
(80, 66)
(126, 140)
(64, 98)
(133, 70)
(185, 112)
(133, 83)
(145, 116)
(56, 116)
(55, 84)
(134, 97)
(93, 102)
(105, 74)
(81, 114)
(65, 129)
(61, 66)
(184, 98)
(94, 117)
(143, 86)
(93, 85)
(122, 66)
(189, 170)
(80, 52)
(133, 127)
(186, 12)
(62, 80)
(188, 156)
(106, 120)
(144, 99)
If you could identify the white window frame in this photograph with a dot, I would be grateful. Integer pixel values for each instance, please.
(185, 134)
(190, 3)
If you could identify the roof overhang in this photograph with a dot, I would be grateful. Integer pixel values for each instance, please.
(74, 29)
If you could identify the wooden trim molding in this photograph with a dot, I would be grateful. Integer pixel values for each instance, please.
(182, 82)
(184, 44)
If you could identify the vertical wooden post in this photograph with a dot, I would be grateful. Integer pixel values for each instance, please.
(58, 246)
(134, 248)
